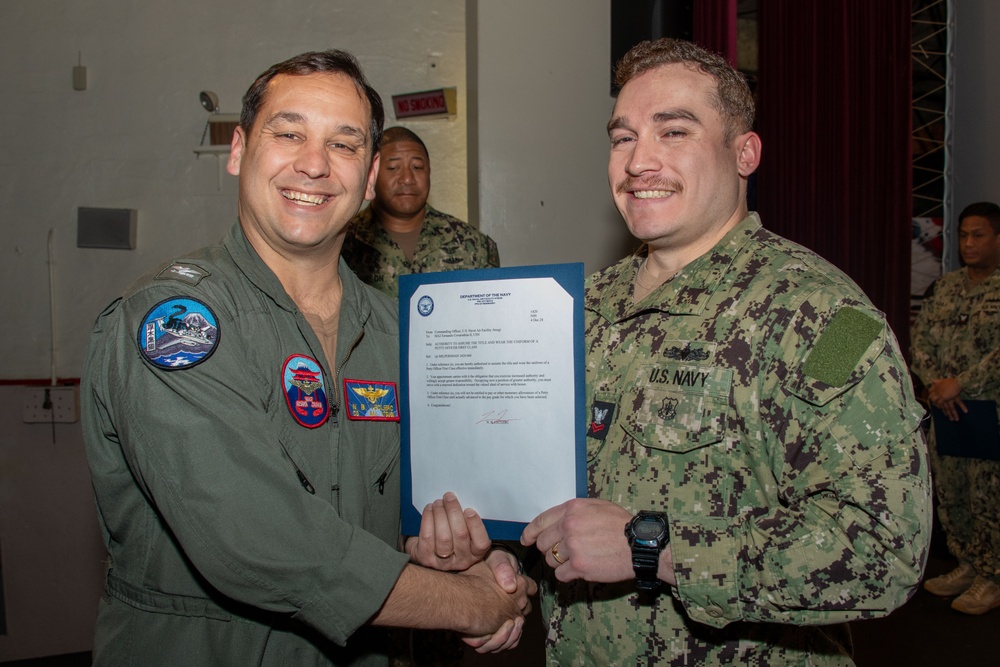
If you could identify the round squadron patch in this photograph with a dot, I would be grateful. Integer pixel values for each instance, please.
(178, 333)
(302, 378)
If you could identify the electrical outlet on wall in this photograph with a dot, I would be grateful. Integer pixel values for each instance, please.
(50, 404)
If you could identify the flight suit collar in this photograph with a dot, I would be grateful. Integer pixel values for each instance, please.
(254, 268)
(355, 307)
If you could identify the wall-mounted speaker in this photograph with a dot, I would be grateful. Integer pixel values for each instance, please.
(106, 227)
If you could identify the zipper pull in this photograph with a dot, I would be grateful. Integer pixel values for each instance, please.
(305, 482)
(381, 483)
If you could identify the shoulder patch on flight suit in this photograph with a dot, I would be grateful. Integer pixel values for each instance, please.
(188, 273)
(179, 332)
(305, 391)
(371, 400)
(840, 347)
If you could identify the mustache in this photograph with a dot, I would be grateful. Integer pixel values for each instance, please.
(631, 184)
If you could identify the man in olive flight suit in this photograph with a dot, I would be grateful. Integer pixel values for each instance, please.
(241, 421)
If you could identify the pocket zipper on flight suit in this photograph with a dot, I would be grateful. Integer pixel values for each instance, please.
(303, 480)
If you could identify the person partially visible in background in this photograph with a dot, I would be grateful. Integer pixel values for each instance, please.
(956, 354)
(400, 233)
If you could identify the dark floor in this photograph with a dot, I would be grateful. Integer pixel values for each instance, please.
(925, 632)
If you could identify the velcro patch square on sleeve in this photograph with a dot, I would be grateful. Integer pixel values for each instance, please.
(839, 349)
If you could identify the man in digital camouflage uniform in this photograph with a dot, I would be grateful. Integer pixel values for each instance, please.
(956, 354)
(250, 509)
(400, 233)
(745, 395)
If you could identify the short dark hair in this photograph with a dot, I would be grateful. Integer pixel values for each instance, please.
(732, 99)
(400, 133)
(982, 209)
(332, 61)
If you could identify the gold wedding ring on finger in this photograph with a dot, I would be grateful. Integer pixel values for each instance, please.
(555, 553)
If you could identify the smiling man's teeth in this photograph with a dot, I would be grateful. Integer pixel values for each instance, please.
(304, 198)
(651, 194)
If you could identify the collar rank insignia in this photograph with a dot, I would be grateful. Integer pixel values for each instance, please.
(178, 333)
(302, 379)
(371, 400)
(188, 273)
(601, 413)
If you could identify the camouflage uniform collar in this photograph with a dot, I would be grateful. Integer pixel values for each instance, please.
(989, 283)
(689, 291)
(364, 228)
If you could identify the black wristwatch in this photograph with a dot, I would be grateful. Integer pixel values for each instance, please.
(648, 535)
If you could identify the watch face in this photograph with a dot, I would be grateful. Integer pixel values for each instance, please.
(648, 529)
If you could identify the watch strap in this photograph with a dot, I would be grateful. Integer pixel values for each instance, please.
(646, 563)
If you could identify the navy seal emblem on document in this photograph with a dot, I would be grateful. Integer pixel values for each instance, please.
(302, 378)
(178, 333)
(371, 400)
(425, 305)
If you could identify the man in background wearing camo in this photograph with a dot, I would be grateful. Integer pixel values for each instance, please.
(400, 233)
(956, 354)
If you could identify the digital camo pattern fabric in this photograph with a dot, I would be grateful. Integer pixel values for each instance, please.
(957, 335)
(445, 244)
(762, 402)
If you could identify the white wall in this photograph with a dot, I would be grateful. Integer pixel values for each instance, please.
(538, 141)
(975, 170)
(127, 141)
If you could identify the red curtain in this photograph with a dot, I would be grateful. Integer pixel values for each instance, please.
(834, 118)
(713, 23)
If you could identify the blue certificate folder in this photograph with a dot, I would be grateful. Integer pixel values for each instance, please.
(975, 435)
(416, 312)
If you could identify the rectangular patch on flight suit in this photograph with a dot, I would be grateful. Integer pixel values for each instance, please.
(371, 400)
(841, 346)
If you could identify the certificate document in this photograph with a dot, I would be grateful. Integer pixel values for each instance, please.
(492, 392)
